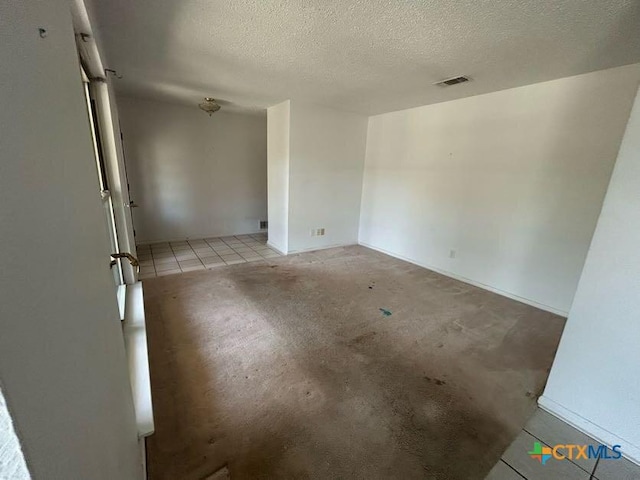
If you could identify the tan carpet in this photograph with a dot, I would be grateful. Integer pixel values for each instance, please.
(291, 370)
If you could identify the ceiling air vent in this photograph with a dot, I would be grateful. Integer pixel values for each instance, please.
(453, 81)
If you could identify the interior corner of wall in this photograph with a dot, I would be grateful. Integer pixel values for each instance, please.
(593, 430)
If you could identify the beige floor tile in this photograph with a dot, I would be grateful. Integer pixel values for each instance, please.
(234, 262)
(169, 272)
(212, 261)
(553, 431)
(208, 254)
(165, 254)
(517, 457)
(620, 469)
(502, 471)
(186, 256)
(164, 260)
(215, 265)
(200, 250)
(197, 243)
(190, 263)
(167, 266)
(194, 268)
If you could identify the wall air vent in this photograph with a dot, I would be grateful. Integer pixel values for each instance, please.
(453, 81)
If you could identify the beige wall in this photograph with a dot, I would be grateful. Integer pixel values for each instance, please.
(192, 175)
(511, 181)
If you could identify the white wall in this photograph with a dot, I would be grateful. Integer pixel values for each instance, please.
(513, 181)
(278, 123)
(62, 360)
(192, 175)
(325, 182)
(316, 160)
(595, 378)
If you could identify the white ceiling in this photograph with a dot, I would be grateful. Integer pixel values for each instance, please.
(368, 56)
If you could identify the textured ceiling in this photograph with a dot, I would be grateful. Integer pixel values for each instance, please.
(368, 56)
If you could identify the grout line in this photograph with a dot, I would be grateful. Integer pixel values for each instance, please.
(260, 238)
(593, 473)
(175, 257)
(503, 461)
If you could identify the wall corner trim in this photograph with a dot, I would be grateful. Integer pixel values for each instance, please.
(629, 451)
(277, 249)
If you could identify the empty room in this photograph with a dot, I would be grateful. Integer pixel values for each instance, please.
(320, 239)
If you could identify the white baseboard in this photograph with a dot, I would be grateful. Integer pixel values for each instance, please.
(277, 249)
(602, 435)
(311, 249)
(512, 296)
(325, 247)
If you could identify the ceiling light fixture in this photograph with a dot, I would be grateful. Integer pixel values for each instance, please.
(209, 105)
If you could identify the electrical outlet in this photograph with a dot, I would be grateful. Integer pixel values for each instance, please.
(452, 254)
(317, 232)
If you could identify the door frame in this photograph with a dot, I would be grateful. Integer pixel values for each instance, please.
(101, 90)
(109, 125)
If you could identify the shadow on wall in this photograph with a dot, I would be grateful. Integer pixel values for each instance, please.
(194, 176)
(177, 74)
(290, 370)
(166, 198)
(511, 182)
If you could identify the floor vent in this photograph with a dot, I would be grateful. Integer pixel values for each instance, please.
(264, 224)
(453, 81)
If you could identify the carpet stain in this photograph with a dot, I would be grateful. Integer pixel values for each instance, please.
(437, 381)
(282, 373)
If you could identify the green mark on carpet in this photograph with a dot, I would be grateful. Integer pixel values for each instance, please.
(386, 313)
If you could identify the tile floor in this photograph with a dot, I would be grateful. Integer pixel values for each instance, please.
(168, 258)
(548, 430)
